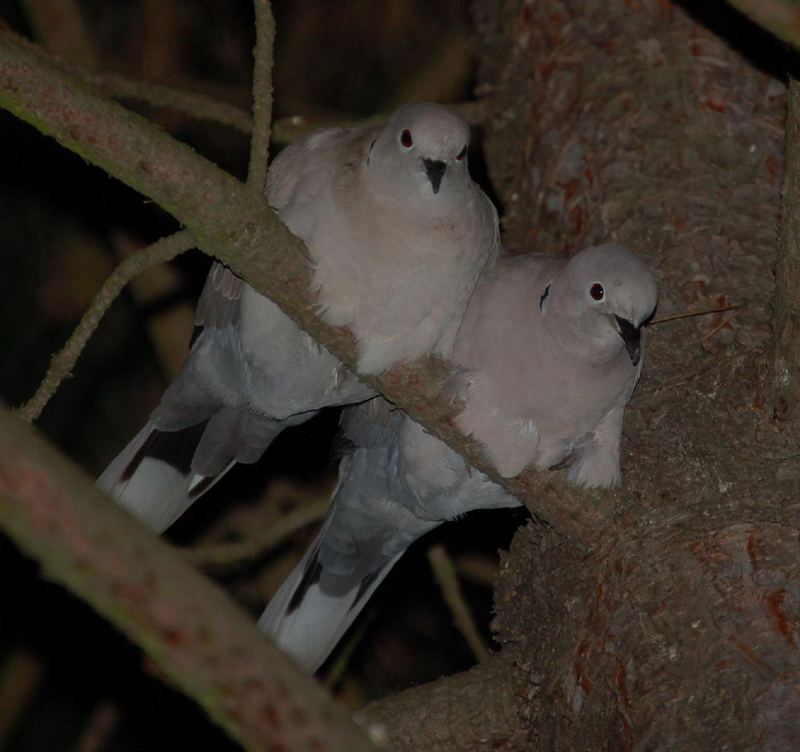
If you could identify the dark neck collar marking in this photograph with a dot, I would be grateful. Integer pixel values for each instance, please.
(544, 295)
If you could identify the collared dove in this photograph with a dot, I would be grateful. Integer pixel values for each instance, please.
(550, 353)
(397, 483)
(398, 234)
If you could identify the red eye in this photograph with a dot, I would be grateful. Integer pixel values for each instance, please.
(405, 138)
(596, 291)
(462, 153)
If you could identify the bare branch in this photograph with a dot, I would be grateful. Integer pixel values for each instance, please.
(781, 17)
(226, 556)
(198, 106)
(479, 709)
(445, 573)
(210, 648)
(262, 95)
(64, 361)
(203, 107)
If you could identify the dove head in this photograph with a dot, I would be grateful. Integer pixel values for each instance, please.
(602, 297)
(422, 153)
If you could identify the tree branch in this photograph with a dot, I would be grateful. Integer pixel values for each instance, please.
(262, 95)
(193, 631)
(785, 357)
(222, 557)
(203, 107)
(236, 226)
(197, 106)
(479, 709)
(781, 17)
(444, 572)
(64, 361)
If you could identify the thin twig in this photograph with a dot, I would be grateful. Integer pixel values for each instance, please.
(64, 361)
(445, 574)
(20, 677)
(203, 107)
(262, 95)
(233, 555)
(719, 327)
(347, 650)
(101, 726)
(197, 106)
(689, 314)
(478, 569)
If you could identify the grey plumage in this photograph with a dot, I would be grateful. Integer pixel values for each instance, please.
(398, 234)
(398, 483)
(548, 369)
(548, 361)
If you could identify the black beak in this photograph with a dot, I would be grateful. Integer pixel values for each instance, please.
(434, 169)
(631, 336)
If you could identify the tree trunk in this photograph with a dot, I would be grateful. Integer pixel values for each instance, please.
(633, 122)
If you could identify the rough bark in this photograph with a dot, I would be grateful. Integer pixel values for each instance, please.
(633, 121)
(671, 623)
(678, 629)
(199, 638)
(479, 710)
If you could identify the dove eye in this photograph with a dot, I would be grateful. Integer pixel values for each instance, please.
(597, 292)
(405, 138)
(462, 153)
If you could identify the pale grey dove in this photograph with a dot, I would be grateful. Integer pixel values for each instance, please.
(398, 234)
(550, 352)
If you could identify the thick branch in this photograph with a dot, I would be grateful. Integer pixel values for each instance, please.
(781, 17)
(785, 362)
(194, 632)
(479, 709)
(237, 226)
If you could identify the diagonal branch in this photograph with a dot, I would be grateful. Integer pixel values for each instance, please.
(139, 583)
(236, 226)
(781, 17)
(64, 360)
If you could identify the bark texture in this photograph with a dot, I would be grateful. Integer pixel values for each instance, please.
(678, 628)
(207, 646)
(784, 386)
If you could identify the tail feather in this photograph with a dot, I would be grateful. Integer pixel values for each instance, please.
(309, 615)
(150, 477)
(160, 474)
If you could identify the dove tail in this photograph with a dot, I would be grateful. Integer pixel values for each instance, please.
(151, 477)
(160, 474)
(307, 617)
